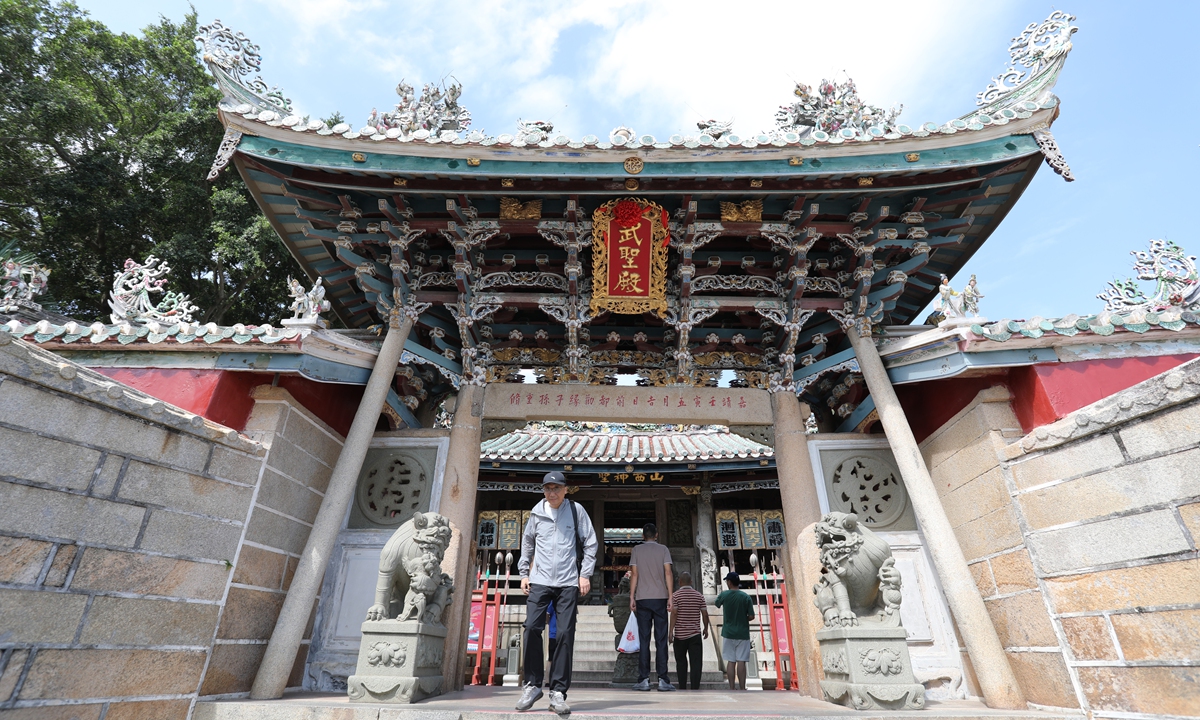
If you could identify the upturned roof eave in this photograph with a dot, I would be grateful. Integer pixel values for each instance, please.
(497, 160)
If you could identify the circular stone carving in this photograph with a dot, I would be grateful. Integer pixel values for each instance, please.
(634, 165)
(870, 488)
(391, 490)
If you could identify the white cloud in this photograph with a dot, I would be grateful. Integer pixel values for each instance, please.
(658, 65)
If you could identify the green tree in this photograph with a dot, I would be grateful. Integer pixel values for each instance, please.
(105, 141)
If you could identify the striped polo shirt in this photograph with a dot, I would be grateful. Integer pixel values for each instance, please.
(689, 604)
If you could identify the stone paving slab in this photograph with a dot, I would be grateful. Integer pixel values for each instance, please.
(490, 703)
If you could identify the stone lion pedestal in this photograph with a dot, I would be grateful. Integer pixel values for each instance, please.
(869, 667)
(398, 662)
(864, 652)
(400, 659)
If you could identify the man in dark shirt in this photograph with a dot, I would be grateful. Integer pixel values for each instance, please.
(650, 598)
(738, 610)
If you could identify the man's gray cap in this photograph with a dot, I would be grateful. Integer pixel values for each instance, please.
(554, 477)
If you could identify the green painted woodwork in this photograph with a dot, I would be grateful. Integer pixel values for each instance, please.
(548, 165)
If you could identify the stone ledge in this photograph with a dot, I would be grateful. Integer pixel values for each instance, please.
(21, 359)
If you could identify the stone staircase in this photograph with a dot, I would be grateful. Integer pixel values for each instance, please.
(595, 655)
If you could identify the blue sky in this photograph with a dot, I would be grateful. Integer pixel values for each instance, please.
(1129, 93)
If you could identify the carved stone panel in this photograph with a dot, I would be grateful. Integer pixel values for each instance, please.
(392, 485)
(679, 523)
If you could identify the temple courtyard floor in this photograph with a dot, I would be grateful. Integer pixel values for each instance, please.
(496, 703)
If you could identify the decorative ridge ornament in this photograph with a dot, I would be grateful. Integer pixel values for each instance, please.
(629, 257)
(306, 306)
(1176, 281)
(135, 283)
(436, 112)
(21, 280)
(1042, 48)
(834, 109)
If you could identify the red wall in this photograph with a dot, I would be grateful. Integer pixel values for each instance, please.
(1041, 393)
(223, 396)
(1045, 393)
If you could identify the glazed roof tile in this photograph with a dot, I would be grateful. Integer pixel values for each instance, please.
(616, 443)
(1102, 324)
(154, 333)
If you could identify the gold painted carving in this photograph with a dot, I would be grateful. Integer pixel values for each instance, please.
(472, 162)
(656, 299)
(749, 211)
(513, 209)
(358, 157)
(756, 183)
(513, 354)
(506, 182)
(912, 157)
(632, 184)
(742, 359)
(796, 161)
(400, 182)
(866, 181)
(634, 165)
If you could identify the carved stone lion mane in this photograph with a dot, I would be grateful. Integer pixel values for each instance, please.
(859, 579)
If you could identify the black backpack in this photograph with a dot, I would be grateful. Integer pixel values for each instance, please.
(578, 539)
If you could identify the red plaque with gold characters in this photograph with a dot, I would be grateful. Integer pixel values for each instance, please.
(629, 257)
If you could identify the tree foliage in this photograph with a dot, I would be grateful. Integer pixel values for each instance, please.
(105, 141)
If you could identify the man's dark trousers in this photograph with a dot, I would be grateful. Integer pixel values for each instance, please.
(689, 650)
(564, 599)
(655, 610)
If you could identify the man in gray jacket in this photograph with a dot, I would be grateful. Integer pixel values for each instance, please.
(560, 544)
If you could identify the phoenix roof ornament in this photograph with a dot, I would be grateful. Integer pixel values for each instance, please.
(1042, 48)
(1176, 281)
(231, 57)
(135, 283)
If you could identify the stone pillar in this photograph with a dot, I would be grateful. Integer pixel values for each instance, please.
(996, 679)
(801, 508)
(293, 617)
(706, 580)
(459, 486)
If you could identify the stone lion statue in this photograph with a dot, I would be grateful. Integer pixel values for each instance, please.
(410, 569)
(859, 579)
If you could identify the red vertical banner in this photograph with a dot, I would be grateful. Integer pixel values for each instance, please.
(490, 617)
(476, 628)
(629, 257)
(782, 641)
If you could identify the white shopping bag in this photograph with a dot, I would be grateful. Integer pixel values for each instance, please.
(629, 638)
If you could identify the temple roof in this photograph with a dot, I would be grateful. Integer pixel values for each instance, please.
(775, 241)
(552, 443)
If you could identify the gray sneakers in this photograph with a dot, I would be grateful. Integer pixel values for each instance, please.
(642, 686)
(664, 686)
(558, 704)
(529, 696)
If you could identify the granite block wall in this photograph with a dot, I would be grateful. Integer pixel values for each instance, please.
(144, 551)
(300, 453)
(1082, 538)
